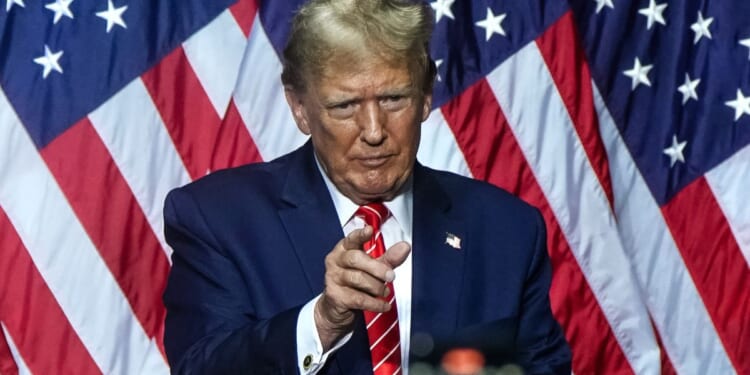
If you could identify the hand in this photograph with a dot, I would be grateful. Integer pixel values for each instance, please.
(354, 281)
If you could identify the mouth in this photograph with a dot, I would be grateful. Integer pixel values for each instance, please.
(374, 161)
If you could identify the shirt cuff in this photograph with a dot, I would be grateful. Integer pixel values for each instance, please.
(310, 355)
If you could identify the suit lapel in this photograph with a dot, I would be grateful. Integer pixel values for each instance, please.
(309, 218)
(312, 224)
(439, 247)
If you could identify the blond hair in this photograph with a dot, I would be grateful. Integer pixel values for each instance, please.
(396, 31)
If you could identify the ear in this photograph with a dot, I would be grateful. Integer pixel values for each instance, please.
(426, 107)
(296, 105)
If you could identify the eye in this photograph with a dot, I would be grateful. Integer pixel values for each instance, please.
(344, 105)
(341, 110)
(395, 102)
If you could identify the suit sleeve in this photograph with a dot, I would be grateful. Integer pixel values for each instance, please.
(211, 326)
(542, 348)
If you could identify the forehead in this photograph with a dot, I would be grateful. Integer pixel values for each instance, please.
(349, 74)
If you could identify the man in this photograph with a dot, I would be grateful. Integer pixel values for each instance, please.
(282, 267)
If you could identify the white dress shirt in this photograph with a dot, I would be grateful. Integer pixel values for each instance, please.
(398, 227)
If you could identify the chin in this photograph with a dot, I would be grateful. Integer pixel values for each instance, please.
(384, 192)
(371, 195)
(368, 187)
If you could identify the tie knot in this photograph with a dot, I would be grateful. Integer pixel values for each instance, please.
(374, 214)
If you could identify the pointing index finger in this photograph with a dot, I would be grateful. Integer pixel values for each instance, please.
(357, 238)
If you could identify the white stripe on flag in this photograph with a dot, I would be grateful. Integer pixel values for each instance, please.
(730, 183)
(133, 132)
(438, 147)
(260, 100)
(23, 369)
(544, 130)
(69, 263)
(154, 364)
(670, 294)
(215, 53)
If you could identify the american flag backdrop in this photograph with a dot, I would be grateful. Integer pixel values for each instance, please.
(627, 122)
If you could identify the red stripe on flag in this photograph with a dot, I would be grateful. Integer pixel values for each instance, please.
(32, 316)
(187, 113)
(563, 53)
(191, 120)
(244, 12)
(114, 221)
(238, 146)
(493, 155)
(716, 265)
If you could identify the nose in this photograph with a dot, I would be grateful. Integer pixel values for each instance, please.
(372, 122)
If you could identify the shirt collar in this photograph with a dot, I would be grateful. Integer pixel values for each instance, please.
(400, 206)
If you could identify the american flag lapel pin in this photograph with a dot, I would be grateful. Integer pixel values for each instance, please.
(452, 240)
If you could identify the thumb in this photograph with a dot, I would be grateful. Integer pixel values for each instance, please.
(396, 254)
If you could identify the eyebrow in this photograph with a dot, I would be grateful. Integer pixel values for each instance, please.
(337, 99)
(401, 91)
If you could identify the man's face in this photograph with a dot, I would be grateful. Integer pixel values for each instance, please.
(364, 121)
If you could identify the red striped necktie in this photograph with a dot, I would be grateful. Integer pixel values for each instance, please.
(382, 328)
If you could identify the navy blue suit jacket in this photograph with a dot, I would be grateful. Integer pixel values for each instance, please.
(249, 244)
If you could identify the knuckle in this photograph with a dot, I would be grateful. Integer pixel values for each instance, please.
(354, 277)
(360, 300)
(330, 259)
(351, 259)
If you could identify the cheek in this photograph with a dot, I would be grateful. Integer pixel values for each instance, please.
(407, 133)
(335, 143)
(338, 134)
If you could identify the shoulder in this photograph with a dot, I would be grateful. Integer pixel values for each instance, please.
(477, 197)
(256, 181)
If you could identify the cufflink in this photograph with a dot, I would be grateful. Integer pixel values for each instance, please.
(307, 362)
